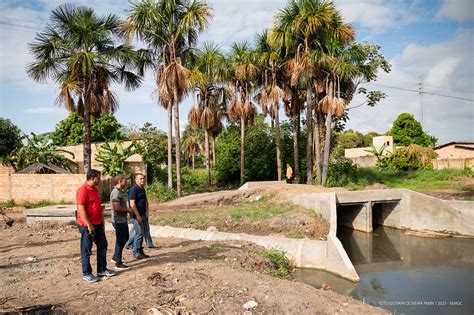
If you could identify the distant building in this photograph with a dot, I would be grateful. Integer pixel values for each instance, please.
(364, 157)
(455, 154)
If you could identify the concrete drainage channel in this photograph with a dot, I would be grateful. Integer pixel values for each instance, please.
(360, 210)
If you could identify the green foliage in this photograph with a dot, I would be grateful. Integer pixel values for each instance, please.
(228, 156)
(40, 149)
(10, 139)
(112, 158)
(407, 130)
(341, 172)
(70, 131)
(347, 140)
(411, 158)
(281, 265)
(153, 148)
(159, 192)
(425, 179)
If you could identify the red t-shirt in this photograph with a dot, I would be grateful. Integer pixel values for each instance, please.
(89, 198)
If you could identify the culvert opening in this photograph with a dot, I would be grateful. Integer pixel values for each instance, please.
(348, 213)
(381, 211)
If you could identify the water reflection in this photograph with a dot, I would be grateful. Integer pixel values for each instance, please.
(405, 274)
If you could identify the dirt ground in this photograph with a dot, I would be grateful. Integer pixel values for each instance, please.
(40, 270)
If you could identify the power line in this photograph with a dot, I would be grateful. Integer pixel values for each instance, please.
(9, 19)
(18, 25)
(424, 85)
(424, 92)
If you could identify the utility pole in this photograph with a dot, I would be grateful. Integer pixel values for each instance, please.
(420, 92)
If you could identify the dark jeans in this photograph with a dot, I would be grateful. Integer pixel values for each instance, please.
(147, 236)
(98, 237)
(139, 230)
(121, 237)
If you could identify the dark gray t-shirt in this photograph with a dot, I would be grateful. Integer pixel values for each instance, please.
(118, 196)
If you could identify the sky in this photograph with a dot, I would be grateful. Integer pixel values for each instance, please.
(430, 44)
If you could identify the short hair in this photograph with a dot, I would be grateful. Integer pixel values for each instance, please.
(118, 178)
(92, 173)
(138, 174)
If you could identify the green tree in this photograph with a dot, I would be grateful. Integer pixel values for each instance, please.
(152, 146)
(80, 52)
(192, 142)
(170, 29)
(346, 140)
(407, 130)
(40, 149)
(112, 158)
(10, 139)
(69, 131)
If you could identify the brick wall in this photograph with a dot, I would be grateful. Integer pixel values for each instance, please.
(36, 187)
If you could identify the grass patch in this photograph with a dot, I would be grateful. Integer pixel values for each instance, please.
(281, 265)
(416, 180)
(31, 204)
(262, 217)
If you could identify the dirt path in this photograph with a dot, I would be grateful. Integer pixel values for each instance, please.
(40, 265)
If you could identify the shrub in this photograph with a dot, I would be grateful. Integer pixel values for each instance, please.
(342, 171)
(411, 158)
(281, 265)
(159, 192)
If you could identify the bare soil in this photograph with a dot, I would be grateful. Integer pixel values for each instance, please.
(40, 271)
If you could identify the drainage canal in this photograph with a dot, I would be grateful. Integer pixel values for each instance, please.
(403, 273)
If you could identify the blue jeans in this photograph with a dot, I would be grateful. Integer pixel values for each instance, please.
(121, 237)
(98, 237)
(139, 231)
(148, 239)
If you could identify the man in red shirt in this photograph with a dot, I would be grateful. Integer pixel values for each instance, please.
(91, 226)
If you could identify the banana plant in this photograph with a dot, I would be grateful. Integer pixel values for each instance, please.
(112, 158)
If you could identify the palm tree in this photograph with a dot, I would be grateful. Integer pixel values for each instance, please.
(271, 65)
(242, 71)
(170, 28)
(192, 141)
(207, 71)
(77, 50)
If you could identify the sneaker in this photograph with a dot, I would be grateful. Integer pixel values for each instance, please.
(90, 278)
(121, 266)
(146, 256)
(107, 273)
(113, 261)
(141, 256)
(151, 246)
(129, 247)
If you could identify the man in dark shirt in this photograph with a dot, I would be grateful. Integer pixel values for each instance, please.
(139, 216)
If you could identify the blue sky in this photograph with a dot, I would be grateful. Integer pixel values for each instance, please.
(429, 40)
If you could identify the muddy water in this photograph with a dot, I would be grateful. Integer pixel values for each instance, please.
(405, 274)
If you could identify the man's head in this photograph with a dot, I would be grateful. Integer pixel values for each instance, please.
(140, 179)
(93, 177)
(120, 181)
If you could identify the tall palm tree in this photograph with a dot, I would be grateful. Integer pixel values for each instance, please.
(206, 75)
(242, 72)
(79, 51)
(192, 141)
(271, 65)
(170, 28)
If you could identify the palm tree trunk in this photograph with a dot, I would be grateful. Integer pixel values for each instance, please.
(170, 145)
(208, 158)
(278, 143)
(296, 156)
(242, 149)
(178, 143)
(87, 140)
(193, 160)
(213, 151)
(317, 145)
(327, 141)
(309, 143)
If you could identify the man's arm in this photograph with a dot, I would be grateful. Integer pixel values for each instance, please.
(135, 210)
(147, 208)
(81, 210)
(118, 207)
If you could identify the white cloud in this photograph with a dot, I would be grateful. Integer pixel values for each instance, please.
(459, 10)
